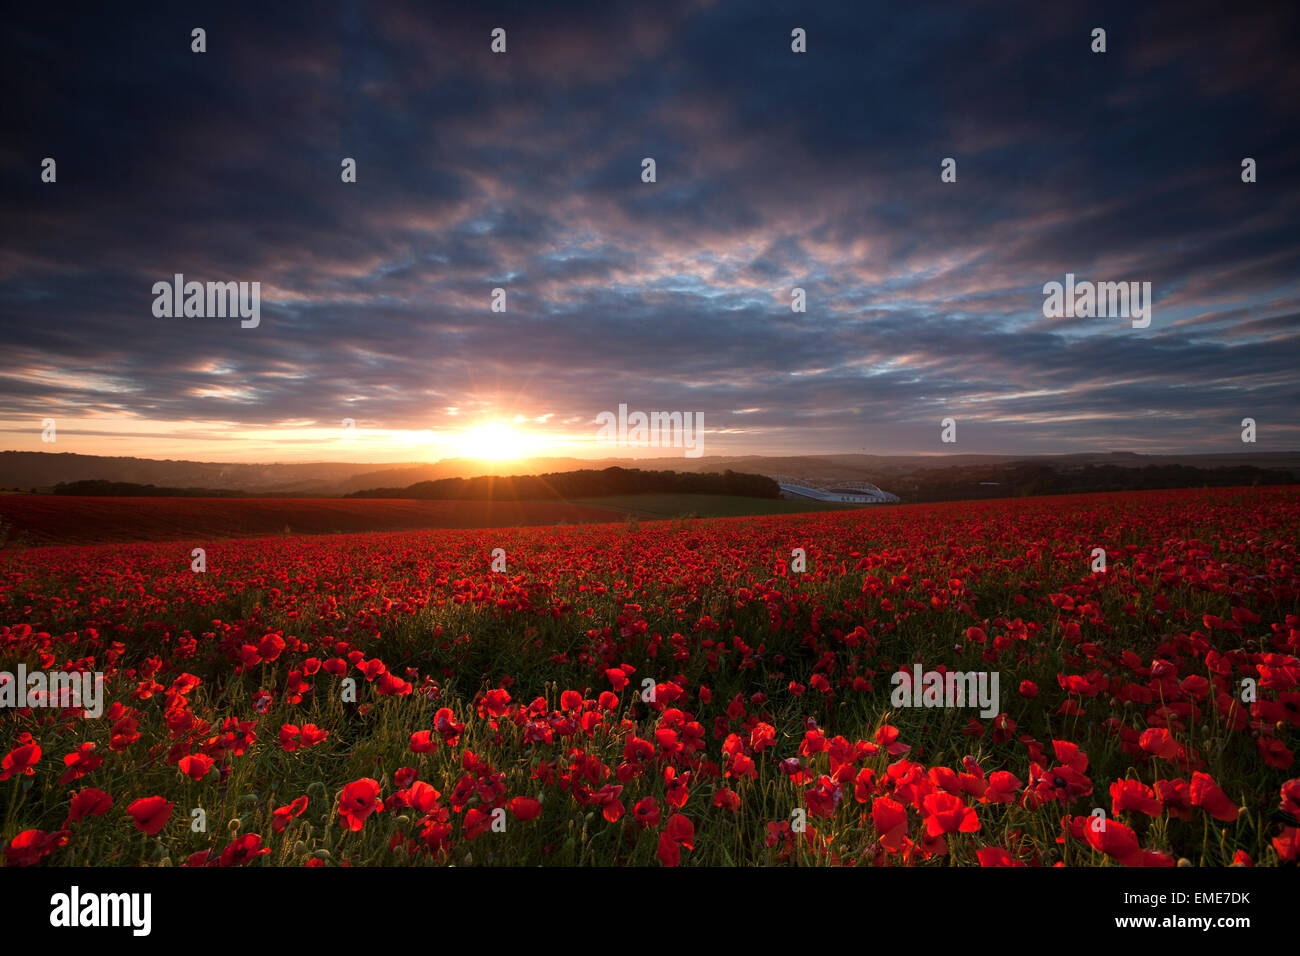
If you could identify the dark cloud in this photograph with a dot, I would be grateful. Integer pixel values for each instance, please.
(774, 170)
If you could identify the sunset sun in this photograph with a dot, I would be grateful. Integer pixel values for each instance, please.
(493, 442)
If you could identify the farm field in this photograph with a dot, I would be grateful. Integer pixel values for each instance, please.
(72, 519)
(658, 506)
(674, 693)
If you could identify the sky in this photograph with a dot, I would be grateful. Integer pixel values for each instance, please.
(523, 171)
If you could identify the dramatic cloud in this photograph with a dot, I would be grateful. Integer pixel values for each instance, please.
(775, 170)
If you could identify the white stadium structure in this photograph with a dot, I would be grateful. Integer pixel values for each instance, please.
(852, 492)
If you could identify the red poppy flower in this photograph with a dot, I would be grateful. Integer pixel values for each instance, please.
(887, 737)
(195, 766)
(1159, 742)
(1291, 798)
(80, 762)
(947, 813)
(358, 800)
(670, 853)
(1287, 844)
(150, 813)
(476, 823)
(738, 765)
(1115, 840)
(1207, 795)
(1133, 795)
(681, 830)
(423, 742)
(31, 846)
(762, 737)
(646, 812)
(996, 856)
(890, 819)
(289, 737)
(525, 808)
(88, 803)
(405, 776)
(312, 735)
(281, 816)
(1275, 753)
(496, 703)
(20, 760)
(242, 849)
(1176, 796)
(1002, 787)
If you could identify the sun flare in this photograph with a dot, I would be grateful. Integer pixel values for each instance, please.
(493, 442)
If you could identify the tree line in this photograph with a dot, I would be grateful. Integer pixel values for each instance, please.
(588, 483)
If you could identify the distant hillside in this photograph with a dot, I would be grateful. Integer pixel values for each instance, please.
(587, 483)
(128, 489)
(1024, 478)
(24, 470)
(44, 470)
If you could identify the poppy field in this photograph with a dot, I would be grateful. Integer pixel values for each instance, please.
(678, 693)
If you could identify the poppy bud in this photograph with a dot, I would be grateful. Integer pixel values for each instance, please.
(403, 820)
(322, 854)
(299, 848)
(234, 825)
(1183, 861)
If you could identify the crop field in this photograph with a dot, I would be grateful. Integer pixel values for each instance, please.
(59, 519)
(1104, 680)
